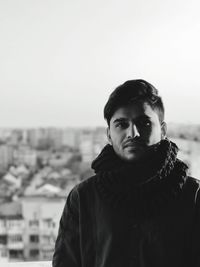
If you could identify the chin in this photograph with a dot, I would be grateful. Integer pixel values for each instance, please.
(131, 158)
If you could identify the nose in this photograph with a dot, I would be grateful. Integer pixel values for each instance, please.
(132, 131)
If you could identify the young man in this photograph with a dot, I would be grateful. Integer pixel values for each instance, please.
(140, 209)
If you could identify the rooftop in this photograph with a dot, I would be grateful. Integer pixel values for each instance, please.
(27, 264)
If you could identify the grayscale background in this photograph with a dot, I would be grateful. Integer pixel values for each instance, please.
(59, 61)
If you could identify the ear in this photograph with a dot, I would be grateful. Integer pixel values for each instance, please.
(108, 135)
(163, 130)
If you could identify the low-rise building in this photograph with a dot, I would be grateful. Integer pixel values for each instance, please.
(29, 227)
(11, 232)
(41, 216)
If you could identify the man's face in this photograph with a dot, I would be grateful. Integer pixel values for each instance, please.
(134, 130)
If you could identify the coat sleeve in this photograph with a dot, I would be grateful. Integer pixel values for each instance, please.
(67, 246)
(195, 243)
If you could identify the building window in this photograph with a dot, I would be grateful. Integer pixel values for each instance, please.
(34, 238)
(33, 223)
(14, 223)
(15, 238)
(2, 223)
(46, 239)
(47, 255)
(3, 253)
(47, 223)
(34, 253)
(3, 239)
(15, 254)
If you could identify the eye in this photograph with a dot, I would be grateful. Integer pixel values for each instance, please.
(122, 125)
(144, 123)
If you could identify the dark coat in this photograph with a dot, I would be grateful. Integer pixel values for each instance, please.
(92, 234)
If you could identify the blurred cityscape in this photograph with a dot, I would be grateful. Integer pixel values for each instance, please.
(38, 168)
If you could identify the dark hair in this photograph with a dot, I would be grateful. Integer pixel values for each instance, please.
(134, 90)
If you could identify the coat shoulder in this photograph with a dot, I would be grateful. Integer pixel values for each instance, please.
(192, 188)
(193, 182)
(86, 184)
(84, 188)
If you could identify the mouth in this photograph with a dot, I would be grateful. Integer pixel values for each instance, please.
(133, 146)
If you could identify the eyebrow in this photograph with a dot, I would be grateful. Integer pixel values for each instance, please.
(125, 119)
(119, 120)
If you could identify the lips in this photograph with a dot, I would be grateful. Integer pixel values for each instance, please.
(132, 145)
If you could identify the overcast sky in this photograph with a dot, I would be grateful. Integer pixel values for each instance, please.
(60, 59)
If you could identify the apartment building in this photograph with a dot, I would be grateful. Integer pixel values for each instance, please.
(11, 232)
(29, 227)
(6, 156)
(25, 155)
(41, 216)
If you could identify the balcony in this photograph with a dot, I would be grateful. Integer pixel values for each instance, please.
(27, 264)
(15, 245)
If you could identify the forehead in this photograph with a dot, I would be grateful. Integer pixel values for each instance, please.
(135, 110)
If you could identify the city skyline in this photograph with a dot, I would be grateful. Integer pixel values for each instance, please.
(60, 60)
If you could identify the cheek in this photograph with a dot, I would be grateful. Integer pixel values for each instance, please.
(117, 139)
(155, 137)
(151, 135)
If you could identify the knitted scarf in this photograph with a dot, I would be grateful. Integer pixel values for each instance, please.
(144, 188)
